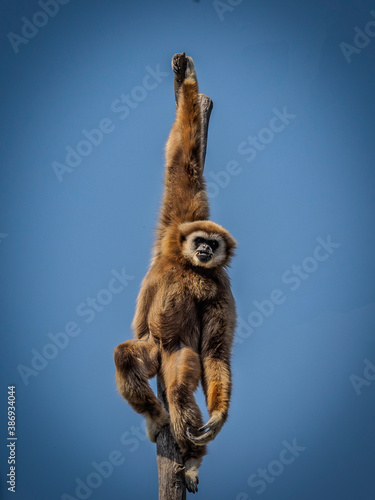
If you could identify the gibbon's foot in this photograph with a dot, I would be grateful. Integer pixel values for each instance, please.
(208, 432)
(191, 475)
(154, 425)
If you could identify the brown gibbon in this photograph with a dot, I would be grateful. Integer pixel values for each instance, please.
(185, 315)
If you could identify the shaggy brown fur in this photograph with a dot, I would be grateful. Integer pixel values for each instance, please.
(185, 315)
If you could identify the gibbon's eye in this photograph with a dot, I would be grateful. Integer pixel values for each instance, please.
(213, 244)
(199, 241)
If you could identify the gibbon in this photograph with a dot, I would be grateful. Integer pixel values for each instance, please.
(185, 315)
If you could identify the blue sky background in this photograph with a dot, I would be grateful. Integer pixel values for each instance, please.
(63, 242)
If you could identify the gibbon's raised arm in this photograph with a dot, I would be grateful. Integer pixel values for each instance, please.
(185, 198)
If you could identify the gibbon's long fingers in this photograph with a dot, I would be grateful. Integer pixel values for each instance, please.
(208, 431)
(183, 67)
(203, 438)
(179, 63)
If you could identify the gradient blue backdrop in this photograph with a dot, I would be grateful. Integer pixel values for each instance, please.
(61, 241)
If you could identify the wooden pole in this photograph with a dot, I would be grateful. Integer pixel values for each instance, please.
(169, 460)
(206, 108)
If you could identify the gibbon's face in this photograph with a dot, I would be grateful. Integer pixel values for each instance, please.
(204, 249)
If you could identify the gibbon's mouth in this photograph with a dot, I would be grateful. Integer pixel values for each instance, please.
(203, 256)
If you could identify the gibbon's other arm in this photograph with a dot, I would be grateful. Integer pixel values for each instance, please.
(218, 324)
(185, 198)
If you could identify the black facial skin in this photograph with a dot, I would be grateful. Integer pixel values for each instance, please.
(204, 249)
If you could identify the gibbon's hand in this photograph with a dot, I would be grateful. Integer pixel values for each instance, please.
(179, 62)
(183, 67)
(209, 431)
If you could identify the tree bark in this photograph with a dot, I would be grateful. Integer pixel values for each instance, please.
(169, 460)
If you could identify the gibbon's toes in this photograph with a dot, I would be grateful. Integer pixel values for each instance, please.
(207, 433)
(191, 482)
(191, 476)
(179, 65)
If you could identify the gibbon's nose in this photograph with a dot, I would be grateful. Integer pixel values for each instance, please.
(204, 248)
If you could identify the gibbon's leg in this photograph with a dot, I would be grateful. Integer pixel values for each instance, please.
(185, 197)
(181, 375)
(137, 361)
